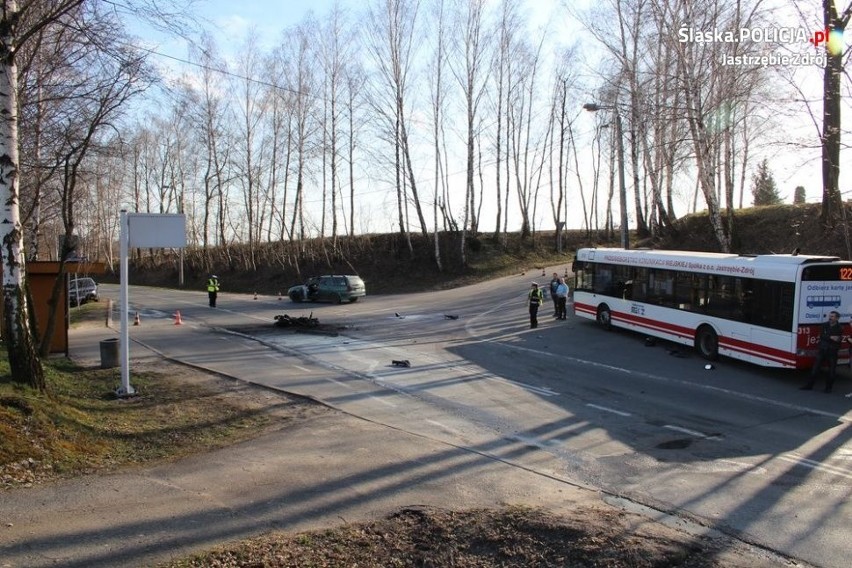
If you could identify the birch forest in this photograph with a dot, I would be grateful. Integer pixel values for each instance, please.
(408, 116)
(417, 117)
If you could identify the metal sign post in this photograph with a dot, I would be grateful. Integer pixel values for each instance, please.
(142, 230)
(124, 348)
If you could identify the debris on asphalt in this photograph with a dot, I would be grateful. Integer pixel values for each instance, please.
(449, 317)
(302, 321)
(401, 363)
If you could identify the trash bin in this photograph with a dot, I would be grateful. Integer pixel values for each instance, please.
(109, 353)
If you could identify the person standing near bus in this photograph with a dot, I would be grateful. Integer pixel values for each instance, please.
(554, 284)
(830, 339)
(535, 298)
(562, 300)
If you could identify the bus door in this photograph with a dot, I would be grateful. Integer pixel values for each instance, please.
(766, 306)
(725, 300)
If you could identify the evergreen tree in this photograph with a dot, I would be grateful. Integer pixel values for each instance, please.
(763, 186)
(799, 195)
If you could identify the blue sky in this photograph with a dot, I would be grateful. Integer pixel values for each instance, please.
(269, 17)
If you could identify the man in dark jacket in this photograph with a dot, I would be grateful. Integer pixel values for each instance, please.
(830, 339)
(554, 284)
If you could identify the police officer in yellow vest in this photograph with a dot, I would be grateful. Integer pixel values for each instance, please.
(212, 289)
(536, 299)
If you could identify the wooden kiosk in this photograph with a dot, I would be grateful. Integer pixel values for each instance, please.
(41, 277)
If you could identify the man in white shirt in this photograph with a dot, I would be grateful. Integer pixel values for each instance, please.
(562, 300)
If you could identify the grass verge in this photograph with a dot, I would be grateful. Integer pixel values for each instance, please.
(80, 426)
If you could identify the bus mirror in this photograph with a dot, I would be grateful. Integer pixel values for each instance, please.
(576, 265)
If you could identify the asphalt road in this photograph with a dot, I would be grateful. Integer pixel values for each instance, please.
(735, 448)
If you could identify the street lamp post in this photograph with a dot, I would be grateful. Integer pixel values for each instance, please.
(622, 186)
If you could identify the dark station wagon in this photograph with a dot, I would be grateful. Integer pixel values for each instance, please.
(330, 288)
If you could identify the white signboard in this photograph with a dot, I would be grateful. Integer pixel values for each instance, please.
(156, 230)
(819, 298)
(142, 230)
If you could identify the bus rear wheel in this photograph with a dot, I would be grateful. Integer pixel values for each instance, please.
(605, 317)
(707, 343)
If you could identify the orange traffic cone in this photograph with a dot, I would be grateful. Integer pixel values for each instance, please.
(177, 318)
(279, 294)
(136, 319)
(255, 295)
(542, 272)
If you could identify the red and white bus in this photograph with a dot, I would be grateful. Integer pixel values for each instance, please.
(764, 309)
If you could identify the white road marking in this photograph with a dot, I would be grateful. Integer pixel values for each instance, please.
(383, 401)
(729, 392)
(743, 466)
(442, 426)
(341, 383)
(690, 432)
(301, 369)
(819, 466)
(607, 409)
(538, 390)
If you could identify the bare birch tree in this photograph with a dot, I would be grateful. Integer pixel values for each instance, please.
(337, 52)
(392, 42)
(249, 160)
(468, 69)
(210, 112)
(502, 69)
(105, 85)
(438, 112)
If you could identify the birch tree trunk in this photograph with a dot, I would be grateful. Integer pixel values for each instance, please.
(832, 202)
(23, 359)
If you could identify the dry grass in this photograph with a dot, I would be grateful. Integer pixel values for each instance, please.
(82, 427)
(509, 538)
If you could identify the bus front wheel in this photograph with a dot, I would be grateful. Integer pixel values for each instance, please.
(605, 317)
(707, 343)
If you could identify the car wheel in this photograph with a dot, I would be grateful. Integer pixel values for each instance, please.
(295, 297)
(353, 300)
(707, 343)
(604, 317)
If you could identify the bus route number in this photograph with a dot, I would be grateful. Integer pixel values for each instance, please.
(845, 273)
(811, 339)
